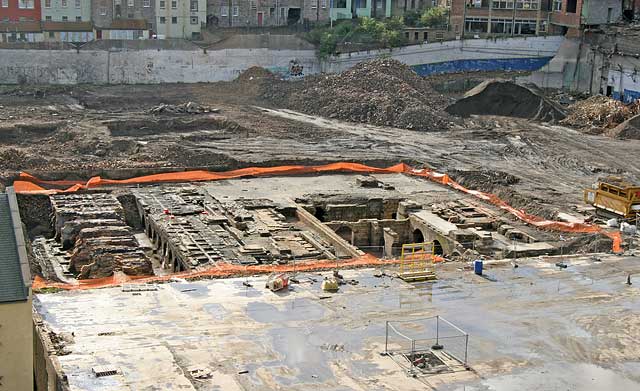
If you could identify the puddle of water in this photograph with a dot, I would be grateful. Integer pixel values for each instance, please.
(294, 310)
(216, 310)
(300, 354)
(582, 377)
(191, 289)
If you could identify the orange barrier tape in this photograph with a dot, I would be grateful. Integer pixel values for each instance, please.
(221, 270)
(29, 184)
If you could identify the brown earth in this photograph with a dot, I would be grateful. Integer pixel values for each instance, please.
(109, 131)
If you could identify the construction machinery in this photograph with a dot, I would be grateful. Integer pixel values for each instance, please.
(613, 197)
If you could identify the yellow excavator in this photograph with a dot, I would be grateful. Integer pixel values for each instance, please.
(613, 197)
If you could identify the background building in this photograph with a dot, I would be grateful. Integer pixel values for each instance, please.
(20, 10)
(16, 324)
(66, 10)
(123, 19)
(500, 17)
(180, 18)
(571, 16)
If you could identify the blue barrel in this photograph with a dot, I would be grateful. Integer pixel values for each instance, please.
(477, 267)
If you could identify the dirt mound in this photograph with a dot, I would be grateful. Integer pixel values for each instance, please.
(599, 112)
(484, 180)
(256, 73)
(629, 129)
(380, 92)
(593, 243)
(505, 98)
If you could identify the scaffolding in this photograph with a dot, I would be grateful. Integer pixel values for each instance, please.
(416, 262)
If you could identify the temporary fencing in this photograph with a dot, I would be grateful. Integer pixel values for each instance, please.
(29, 184)
(220, 270)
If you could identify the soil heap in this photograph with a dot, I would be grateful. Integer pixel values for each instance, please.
(629, 129)
(381, 92)
(505, 98)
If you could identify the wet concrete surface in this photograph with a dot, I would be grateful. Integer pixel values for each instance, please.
(531, 327)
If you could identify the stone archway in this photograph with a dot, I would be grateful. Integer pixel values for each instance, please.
(437, 247)
(418, 236)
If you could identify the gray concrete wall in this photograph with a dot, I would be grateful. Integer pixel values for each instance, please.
(597, 11)
(442, 52)
(142, 66)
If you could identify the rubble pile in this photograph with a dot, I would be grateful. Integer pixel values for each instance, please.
(256, 74)
(599, 112)
(184, 108)
(380, 92)
(506, 98)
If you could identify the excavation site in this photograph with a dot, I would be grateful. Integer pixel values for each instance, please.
(373, 229)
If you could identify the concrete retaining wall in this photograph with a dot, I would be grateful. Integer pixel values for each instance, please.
(150, 66)
(455, 56)
(142, 66)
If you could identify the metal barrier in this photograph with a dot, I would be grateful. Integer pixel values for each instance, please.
(411, 337)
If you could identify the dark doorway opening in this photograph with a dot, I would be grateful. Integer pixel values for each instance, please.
(418, 237)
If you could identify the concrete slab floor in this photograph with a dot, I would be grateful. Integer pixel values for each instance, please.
(532, 327)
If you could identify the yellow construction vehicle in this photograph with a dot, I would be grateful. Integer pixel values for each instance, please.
(614, 197)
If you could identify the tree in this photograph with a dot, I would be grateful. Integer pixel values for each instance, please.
(434, 17)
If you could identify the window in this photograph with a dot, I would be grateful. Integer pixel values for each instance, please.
(162, 4)
(65, 19)
(379, 4)
(146, 3)
(502, 4)
(224, 11)
(314, 4)
(52, 34)
(78, 3)
(236, 10)
(174, 4)
(64, 3)
(163, 20)
(78, 18)
(253, 5)
(103, 10)
(130, 4)
(47, 4)
(194, 20)
(323, 3)
(282, 11)
(194, 5)
(26, 4)
(527, 4)
(47, 18)
(557, 5)
(5, 3)
(572, 6)
(174, 20)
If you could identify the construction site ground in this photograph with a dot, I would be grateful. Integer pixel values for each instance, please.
(81, 131)
(532, 327)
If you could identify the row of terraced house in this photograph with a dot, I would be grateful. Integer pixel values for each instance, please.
(87, 20)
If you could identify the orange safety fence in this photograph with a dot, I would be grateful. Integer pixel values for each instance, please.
(220, 270)
(29, 184)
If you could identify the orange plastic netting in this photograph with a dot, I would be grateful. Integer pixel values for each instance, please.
(29, 184)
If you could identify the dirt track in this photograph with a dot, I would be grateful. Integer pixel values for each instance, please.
(552, 163)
